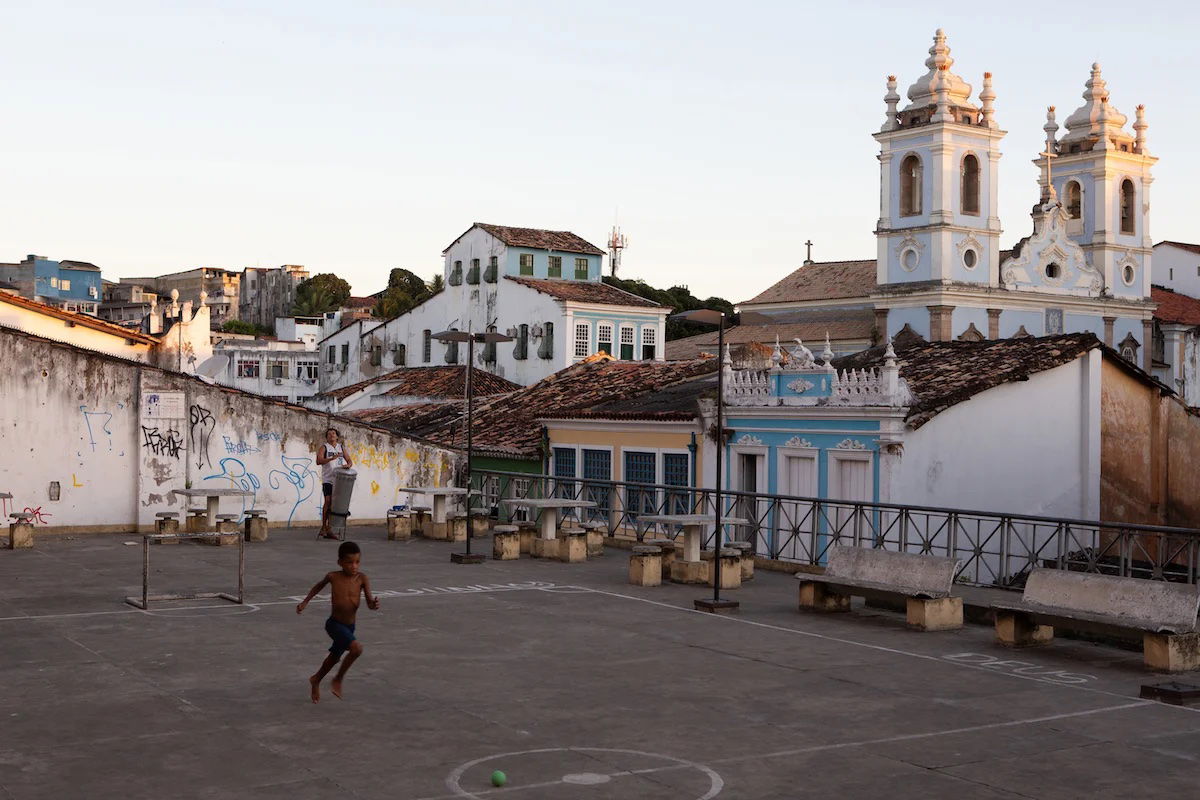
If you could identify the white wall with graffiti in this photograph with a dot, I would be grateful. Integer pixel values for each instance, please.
(91, 442)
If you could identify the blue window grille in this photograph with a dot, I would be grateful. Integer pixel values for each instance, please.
(639, 468)
(597, 466)
(676, 473)
(564, 467)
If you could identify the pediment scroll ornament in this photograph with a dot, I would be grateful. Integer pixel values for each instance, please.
(800, 386)
(797, 441)
(1050, 258)
(747, 439)
(850, 444)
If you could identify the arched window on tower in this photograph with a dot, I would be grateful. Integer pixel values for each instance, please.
(970, 185)
(910, 186)
(1074, 200)
(1128, 200)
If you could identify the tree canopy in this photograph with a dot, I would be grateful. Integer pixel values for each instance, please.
(241, 326)
(404, 291)
(677, 298)
(320, 293)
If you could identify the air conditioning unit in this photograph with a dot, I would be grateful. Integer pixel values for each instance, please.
(279, 381)
(511, 332)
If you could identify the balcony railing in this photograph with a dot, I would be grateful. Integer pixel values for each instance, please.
(997, 550)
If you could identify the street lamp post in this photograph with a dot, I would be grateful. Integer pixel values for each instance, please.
(709, 316)
(470, 337)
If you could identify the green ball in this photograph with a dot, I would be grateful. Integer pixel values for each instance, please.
(499, 778)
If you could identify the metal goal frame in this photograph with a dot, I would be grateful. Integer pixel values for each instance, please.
(143, 602)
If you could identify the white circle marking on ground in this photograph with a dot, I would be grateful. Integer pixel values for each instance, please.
(716, 783)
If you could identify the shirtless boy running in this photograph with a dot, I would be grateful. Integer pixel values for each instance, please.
(345, 587)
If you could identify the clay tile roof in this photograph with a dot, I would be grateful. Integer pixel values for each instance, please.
(359, 302)
(1191, 248)
(447, 381)
(506, 425)
(1175, 307)
(84, 320)
(538, 239)
(676, 402)
(841, 326)
(585, 292)
(944, 374)
(825, 280)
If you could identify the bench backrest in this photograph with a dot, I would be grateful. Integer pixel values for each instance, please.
(1146, 604)
(926, 575)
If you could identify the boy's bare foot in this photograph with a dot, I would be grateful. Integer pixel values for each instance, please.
(336, 687)
(316, 688)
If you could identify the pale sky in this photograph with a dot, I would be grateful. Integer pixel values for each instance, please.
(353, 137)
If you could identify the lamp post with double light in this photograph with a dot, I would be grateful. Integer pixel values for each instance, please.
(708, 316)
(471, 338)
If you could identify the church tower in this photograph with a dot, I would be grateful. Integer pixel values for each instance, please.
(939, 157)
(1101, 175)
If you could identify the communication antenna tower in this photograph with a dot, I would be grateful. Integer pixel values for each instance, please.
(617, 242)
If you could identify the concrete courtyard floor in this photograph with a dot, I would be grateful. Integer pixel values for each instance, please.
(572, 682)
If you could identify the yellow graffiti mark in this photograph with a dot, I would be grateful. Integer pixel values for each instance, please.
(374, 487)
(412, 455)
(75, 481)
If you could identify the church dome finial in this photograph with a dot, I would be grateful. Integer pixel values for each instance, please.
(924, 91)
(1095, 119)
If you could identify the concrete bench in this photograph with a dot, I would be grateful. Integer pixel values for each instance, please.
(456, 526)
(399, 525)
(731, 569)
(166, 522)
(254, 528)
(572, 545)
(1163, 613)
(422, 516)
(197, 520)
(745, 558)
(669, 554)
(528, 530)
(645, 565)
(506, 542)
(596, 532)
(20, 531)
(923, 581)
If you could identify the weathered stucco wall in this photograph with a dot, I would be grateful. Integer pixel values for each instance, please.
(1183, 468)
(117, 437)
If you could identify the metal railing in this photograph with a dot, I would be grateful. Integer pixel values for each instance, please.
(997, 550)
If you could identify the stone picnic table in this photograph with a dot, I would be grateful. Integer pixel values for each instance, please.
(548, 510)
(693, 528)
(440, 494)
(213, 498)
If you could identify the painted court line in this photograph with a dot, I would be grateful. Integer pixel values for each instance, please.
(885, 649)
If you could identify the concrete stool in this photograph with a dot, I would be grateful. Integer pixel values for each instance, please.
(421, 519)
(731, 569)
(595, 538)
(669, 552)
(399, 525)
(506, 542)
(255, 526)
(20, 531)
(528, 532)
(166, 522)
(228, 528)
(479, 524)
(456, 526)
(645, 565)
(746, 558)
(572, 545)
(197, 520)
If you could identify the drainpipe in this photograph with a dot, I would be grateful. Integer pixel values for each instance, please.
(692, 449)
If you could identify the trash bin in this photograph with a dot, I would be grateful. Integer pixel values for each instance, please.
(343, 488)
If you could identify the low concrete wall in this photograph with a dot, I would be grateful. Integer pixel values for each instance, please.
(94, 443)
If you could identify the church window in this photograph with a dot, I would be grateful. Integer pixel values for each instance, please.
(1074, 200)
(1129, 347)
(1128, 273)
(970, 258)
(1053, 271)
(910, 186)
(1128, 198)
(909, 259)
(970, 185)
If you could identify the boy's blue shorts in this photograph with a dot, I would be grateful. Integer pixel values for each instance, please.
(342, 635)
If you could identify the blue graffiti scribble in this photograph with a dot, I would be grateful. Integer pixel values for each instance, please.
(101, 423)
(299, 473)
(234, 471)
(268, 437)
(239, 447)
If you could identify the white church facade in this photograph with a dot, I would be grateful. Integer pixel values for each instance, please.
(939, 271)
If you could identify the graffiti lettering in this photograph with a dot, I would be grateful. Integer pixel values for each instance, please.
(161, 443)
(299, 473)
(239, 448)
(99, 425)
(268, 437)
(1025, 668)
(234, 471)
(202, 424)
(38, 515)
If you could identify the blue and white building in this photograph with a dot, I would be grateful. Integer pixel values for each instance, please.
(541, 287)
(69, 285)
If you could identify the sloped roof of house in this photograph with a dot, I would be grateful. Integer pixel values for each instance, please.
(83, 320)
(1175, 307)
(943, 374)
(441, 381)
(824, 280)
(536, 238)
(840, 325)
(1193, 248)
(506, 425)
(677, 402)
(585, 292)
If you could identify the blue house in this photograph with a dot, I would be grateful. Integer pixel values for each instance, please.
(70, 285)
